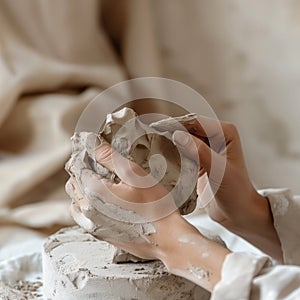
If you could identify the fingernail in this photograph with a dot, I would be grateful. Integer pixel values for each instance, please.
(180, 138)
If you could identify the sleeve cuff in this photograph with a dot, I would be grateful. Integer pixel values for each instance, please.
(286, 212)
(238, 272)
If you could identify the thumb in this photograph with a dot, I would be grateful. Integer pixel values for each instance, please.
(194, 148)
(104, 153)
(128, 171)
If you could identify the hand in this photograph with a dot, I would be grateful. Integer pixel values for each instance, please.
(175, 242)
(139, 203)
(236, 205)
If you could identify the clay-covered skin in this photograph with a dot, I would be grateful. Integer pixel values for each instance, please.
(96, 207)
(144, 145)
(151, 147)
(78, 266)
(179, 173)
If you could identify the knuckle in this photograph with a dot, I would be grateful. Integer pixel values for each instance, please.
(230, 128)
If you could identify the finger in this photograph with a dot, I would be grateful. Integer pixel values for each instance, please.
(190, 121)
(78, 204)
(117, 193)
(104, 220)
(80, 218)
(210, 128)
(118, 200)
(205, 127)
(193, 148)
(93, 195)
(212, 162)
(128, 171)
(215, 133)
(110, 158)
(204, 191)
(222, 137)
(153, 204)
(74, 192)
(89, 182)
(105, 190)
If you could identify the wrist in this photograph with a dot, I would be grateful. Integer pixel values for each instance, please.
(270, 239)
(187, 253)
(168, 233)
(259, 229)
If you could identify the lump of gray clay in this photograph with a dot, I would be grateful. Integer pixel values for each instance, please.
(121, 134)
(140, 143)
(122, 129)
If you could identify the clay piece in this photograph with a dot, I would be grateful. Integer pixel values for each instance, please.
(145, 145)
(76, 265)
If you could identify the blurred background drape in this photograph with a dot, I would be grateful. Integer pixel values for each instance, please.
(56, 55)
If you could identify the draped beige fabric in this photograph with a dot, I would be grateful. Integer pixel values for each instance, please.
(55, 57)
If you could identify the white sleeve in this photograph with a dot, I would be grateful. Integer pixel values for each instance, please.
(250, 276)
(286, 214)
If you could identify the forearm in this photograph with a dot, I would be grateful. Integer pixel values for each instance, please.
(189, 254)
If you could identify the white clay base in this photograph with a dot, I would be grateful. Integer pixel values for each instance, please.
(78, 266)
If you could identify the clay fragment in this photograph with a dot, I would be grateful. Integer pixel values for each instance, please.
(145, 145)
